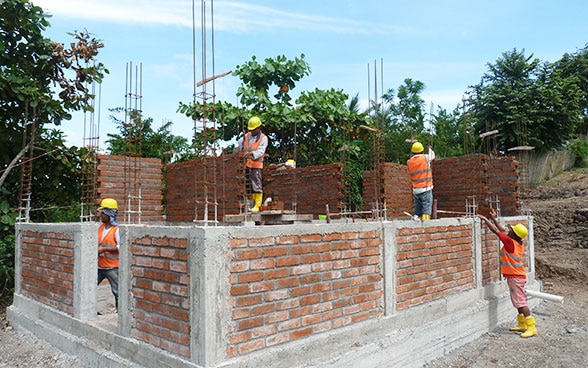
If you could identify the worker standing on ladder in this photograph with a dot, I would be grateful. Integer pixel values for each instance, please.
(253, 146)
(421, 177)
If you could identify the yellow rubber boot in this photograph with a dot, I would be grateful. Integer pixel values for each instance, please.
(426, 217)
(522, 327)
(257, 198)
(531, 330)
(252, 199)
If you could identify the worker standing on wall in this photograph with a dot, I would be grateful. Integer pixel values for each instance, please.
(513, 269)
(253, 146)
(421, 177)
(108, 245)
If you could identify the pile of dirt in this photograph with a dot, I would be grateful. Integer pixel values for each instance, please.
(560, 212)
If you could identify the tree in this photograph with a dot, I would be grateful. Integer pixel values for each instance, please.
(314, 130)
(257, 79)
(449, 133)
(406, 119)
(41, 81)
(137, 138)
(576, 65)
(526, 101)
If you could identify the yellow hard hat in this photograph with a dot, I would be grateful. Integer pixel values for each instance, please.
(109, 203)
(253, 123)
(291, 163)
(417, 147)
(520, 230)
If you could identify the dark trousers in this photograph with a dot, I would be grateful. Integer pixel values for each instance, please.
(111, 274)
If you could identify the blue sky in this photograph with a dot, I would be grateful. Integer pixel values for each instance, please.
(444, 44)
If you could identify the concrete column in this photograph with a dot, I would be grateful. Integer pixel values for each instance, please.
(85, 270)
(18, 259)
(531, 244)
(389, 267)
(477, 251)
(209, 292)
(124, 283)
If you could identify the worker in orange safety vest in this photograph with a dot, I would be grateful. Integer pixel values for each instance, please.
(253, 146)
(421, 177)
(513, 269)
(108, 245)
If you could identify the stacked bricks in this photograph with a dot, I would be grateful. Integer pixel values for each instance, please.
(432, 263)
(491, 256)
(395, 186)
(459, 178)
(224, 181)
(311, 187)
(285, 288)
(160, 288)
(502, 179)
(117, 174)
(47, 269)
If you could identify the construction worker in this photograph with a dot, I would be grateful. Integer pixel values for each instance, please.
(253, 146)
(421, 177)
(108, 245)
(512, 268)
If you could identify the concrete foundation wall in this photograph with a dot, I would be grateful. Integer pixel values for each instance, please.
(375, 294)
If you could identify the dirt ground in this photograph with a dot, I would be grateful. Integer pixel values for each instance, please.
(560, 210)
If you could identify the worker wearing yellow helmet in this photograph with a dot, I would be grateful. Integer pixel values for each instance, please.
(253, 145)
(108, 245)
(512, 267)
(421, 178)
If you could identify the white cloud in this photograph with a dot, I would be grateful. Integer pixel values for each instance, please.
(231, 16)
(169, 12)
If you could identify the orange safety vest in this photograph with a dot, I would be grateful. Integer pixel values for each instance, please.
(108, 259)
(254, 164)
(420, 172)
(511, 264)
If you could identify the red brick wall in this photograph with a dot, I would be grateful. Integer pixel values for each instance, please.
(284, 288)
(490, 256)
(186, 183)
(433, 262)
(396, 190)
(47, 269)
(456, 178)
(160, 288)
(312, 187)
(502, 179)
(114, 172)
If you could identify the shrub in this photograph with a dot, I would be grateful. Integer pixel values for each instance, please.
(580, 148)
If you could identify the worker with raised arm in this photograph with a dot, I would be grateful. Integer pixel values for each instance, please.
(253, 146)
(421, 178)
(513, 269)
